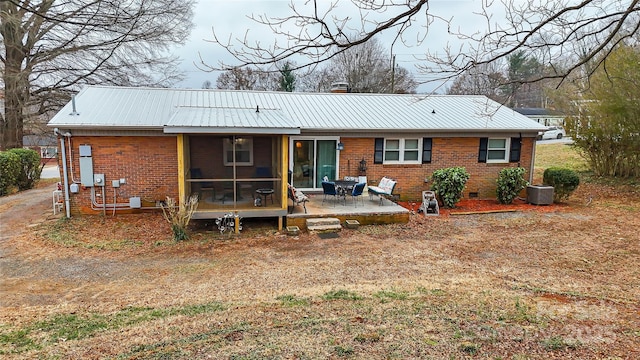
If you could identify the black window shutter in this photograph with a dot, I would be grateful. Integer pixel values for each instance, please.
(482, 153)
(378, 154)
(514, 151)
(427, 143)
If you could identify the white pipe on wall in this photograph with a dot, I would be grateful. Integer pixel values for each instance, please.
(65, 179)
(73, 177)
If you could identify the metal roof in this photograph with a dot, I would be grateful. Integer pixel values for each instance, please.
(202, 110)
(230, 120)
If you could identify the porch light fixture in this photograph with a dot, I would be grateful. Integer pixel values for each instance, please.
(298, 144)
(362, 166)
(340, 146)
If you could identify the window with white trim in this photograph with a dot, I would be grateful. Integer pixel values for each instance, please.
(402, 151)
(48, 152)
(244, 151)
(498, 150)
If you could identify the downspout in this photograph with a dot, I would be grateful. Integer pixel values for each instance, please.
(533, 162)
(64, 175)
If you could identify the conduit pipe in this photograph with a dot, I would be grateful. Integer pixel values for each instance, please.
(73, 177)
(95, 205)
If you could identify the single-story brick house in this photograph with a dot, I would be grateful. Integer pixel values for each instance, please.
(45, 144)
(133, 147)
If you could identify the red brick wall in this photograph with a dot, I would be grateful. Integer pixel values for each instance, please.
(446, 152)
(150, 167)
(148, 164)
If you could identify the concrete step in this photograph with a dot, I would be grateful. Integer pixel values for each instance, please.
(324, 224)
(325, 228)
(323, 221)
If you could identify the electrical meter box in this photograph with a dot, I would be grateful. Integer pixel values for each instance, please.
(98, 179)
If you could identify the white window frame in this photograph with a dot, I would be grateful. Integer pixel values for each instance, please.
(506, 149)
(48, 152)
(292, 142)
(227, 147)
(402, 150)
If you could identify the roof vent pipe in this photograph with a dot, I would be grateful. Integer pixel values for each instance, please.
(73, 106)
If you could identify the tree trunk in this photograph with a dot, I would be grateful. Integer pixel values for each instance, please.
(13, 122)
(15, 87)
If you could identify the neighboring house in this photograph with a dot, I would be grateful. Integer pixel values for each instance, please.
(145, 144)
(46, 145)
(546, 117)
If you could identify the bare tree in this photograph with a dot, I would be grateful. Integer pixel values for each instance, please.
(368, 69)
(248, 79)
(315, 79)
(484, 79)
(207, 84)
(550, 29)
(51, 48)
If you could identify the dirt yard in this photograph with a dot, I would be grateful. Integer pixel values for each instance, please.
(553, 282)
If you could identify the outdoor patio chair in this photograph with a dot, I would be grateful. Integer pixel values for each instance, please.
(227, 187)
(298, 197)
(357, 191)
(196, 173)
(384, 189)
(262, 172)
(329, 189)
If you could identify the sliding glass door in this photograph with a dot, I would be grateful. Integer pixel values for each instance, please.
(311, 160)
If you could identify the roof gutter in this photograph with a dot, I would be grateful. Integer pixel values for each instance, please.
(467, 132)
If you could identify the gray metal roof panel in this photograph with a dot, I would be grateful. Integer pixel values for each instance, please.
(100, 106)
(229, 117)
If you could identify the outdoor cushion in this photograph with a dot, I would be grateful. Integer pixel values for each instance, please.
(385, 187)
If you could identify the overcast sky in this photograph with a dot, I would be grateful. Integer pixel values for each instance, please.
(230, 17)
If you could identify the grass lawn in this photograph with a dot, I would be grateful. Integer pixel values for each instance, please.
(563, 155)
(561, 282)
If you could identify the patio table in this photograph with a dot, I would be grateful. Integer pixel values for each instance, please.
(264, 193)
(344, 187)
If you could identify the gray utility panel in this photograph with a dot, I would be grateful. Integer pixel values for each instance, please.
(86, 171)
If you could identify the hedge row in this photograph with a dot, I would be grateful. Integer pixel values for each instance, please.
(450, 182)
(19, 169)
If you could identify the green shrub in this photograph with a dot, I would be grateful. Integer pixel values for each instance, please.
(510, 182)
(448, 184)
(29, 168)
(9, 171)
(564, 182)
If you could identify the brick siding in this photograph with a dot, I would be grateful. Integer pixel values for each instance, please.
(446, 152)
(149, 165)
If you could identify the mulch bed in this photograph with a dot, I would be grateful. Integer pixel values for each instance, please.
(480, 206)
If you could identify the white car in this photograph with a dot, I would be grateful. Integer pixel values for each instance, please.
(553, 132)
